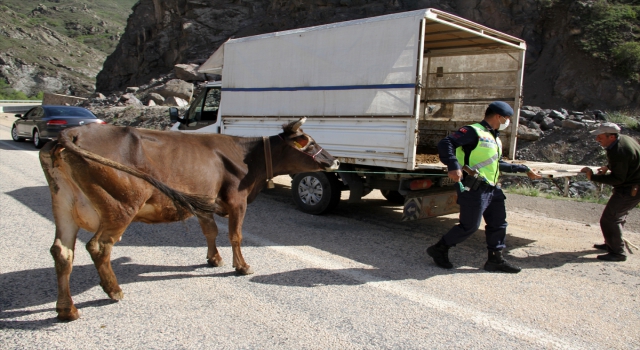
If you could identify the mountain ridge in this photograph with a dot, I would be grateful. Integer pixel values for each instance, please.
(162, 34)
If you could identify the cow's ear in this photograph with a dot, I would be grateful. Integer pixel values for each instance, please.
(298, 124)
(293, 127)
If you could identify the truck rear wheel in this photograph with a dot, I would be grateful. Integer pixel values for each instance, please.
(393, 196)
(316, 193)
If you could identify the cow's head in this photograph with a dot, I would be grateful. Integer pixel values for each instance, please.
(294, 137)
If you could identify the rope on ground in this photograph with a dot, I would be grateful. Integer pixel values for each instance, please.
(385, 172)
(628, 244)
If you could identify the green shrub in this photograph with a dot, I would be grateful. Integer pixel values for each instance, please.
(609, 32)
(619, 117)
(524, 190)
(7, 93)
(626, 59)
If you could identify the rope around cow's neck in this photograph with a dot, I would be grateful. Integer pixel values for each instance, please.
(267, 159)
(384, 172)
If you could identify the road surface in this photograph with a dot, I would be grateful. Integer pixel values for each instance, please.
(356, 279)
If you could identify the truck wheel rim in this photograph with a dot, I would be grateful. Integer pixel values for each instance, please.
(310, 190)
(14, 133)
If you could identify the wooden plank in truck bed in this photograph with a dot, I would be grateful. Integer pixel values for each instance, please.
(547, 170)
(554, 170)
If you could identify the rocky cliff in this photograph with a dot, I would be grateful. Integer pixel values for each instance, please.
(160, 34)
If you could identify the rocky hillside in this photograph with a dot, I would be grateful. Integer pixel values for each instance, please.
(58, 46)
(560, 72)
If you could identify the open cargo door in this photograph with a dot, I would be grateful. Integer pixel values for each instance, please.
(467, 66)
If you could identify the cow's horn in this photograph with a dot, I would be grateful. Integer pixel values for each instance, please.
(298, 124)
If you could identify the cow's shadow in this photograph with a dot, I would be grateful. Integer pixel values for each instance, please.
(394, 252)
(177, 234)
(18, 290)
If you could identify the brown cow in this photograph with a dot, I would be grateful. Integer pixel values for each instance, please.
(103, 177)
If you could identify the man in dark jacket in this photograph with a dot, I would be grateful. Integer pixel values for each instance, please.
(478, 147)
(623, 173)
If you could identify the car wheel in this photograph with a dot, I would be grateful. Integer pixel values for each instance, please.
(37, 140)
(316, 193)
(393, 196)
(14, 135)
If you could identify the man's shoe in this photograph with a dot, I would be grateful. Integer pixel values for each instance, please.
(612, 257)
(602, 246)
(497, 263)
(440, 254)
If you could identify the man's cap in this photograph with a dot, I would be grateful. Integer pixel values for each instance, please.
(501, 108)
(606, 128)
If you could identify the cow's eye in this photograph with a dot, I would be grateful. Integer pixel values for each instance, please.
(300, 142)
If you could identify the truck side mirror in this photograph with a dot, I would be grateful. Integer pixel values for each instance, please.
(18, 116)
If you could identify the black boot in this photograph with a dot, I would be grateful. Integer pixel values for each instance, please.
(497, 263)
(440, 254)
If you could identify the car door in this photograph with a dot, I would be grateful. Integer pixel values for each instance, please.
(25, 125)
(35, 120)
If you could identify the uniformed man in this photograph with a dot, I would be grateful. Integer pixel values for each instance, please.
(623, 173)
(478, 147)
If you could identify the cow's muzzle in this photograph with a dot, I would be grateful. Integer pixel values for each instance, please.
(334, 166)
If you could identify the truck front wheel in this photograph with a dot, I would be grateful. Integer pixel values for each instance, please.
(316, 193)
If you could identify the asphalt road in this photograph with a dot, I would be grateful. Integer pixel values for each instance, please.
(356, 279)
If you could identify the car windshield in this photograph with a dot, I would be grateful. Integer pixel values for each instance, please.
(69, 112)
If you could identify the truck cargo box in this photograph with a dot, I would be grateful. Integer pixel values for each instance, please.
(378, 91)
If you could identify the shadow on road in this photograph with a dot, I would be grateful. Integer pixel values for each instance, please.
(18, 288)
(178, 234)
(314, 277)
(369, 233)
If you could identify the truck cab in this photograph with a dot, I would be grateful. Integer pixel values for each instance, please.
(204, 113)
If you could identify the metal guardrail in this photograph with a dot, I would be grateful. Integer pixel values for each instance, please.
(17, 108)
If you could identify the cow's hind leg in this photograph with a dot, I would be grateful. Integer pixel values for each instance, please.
(64, 243)
(99, 248)
(62, 250)
(210, 231)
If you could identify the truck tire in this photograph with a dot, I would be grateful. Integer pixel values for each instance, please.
(393, 196)
(316, 193)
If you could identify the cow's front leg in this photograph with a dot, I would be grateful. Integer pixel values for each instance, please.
(62, 251)
(210, 231)
(99, 248)
(236, 216)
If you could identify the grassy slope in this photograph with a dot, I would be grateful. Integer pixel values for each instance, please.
(70, 39)
(108, 18)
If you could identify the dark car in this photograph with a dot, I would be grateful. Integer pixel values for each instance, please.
(43, 123)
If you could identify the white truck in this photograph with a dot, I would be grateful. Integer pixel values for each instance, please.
(378, 94)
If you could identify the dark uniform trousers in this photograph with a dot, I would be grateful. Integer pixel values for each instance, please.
(614, 217)
(488, 202)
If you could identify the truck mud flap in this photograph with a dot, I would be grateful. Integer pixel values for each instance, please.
(422, 205)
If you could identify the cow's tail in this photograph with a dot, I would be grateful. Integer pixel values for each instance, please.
(198, 205)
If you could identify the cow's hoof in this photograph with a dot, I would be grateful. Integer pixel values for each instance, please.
(244, 271)
(215, 262)
(68, 314)
(117, 295)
